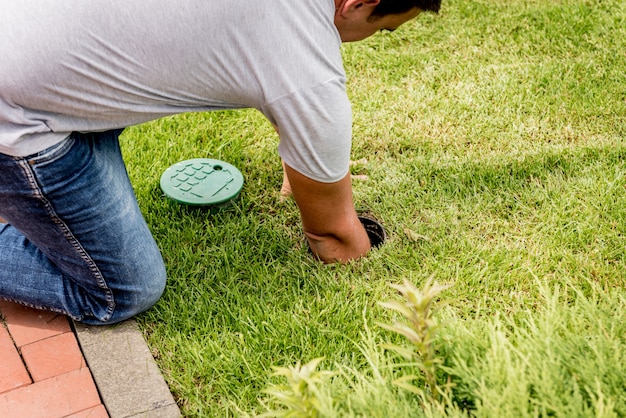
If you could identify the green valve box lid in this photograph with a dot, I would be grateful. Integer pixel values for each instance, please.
(202, 182)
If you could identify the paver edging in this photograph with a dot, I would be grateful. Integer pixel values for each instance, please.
(128, 379)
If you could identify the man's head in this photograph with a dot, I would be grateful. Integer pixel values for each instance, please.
(358, 19)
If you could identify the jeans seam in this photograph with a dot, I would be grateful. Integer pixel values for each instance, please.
(73, 241)
(41, 307)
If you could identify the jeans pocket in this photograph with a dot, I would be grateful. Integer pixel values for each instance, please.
(52, 153)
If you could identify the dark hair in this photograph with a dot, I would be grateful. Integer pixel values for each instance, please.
(391, 7)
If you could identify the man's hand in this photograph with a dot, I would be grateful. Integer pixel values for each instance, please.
(329, 220)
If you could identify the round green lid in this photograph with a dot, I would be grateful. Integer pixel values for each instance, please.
(202, 182)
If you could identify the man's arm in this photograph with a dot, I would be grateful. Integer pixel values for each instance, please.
(329, 220)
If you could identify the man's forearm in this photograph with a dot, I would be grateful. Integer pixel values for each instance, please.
(329, 220)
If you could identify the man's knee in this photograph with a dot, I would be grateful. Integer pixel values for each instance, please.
(145, 292)
(154, 288)
(126, 296)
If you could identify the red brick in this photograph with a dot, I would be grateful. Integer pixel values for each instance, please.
(53, 356)
(28, 325)
(57, 397)
(95, 412)
(13, 373)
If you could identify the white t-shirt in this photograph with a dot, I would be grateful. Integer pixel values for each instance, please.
(95, 65)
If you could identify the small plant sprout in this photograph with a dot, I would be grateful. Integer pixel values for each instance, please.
(301, 395)
(420, 328)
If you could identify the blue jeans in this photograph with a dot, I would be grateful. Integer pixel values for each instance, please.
(76, 242)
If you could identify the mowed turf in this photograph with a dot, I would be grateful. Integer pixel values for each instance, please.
(493, 138)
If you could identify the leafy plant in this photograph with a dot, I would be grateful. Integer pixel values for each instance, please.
(300, 395)
(420, 328)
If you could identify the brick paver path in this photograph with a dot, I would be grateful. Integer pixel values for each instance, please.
(42, 369)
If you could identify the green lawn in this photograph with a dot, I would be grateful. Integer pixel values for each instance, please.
(494, 135)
